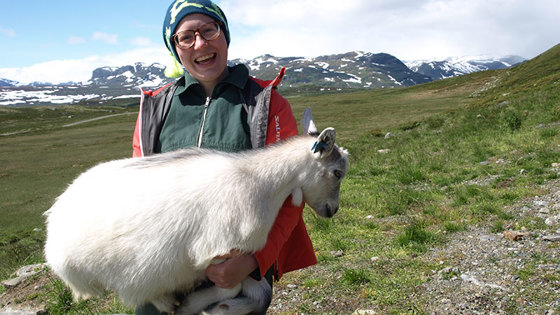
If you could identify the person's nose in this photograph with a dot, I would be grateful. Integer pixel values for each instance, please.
(199, 41)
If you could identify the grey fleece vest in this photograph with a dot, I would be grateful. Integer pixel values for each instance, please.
(154, 110)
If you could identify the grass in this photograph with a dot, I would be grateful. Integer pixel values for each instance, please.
(60, 301)
(36, 166)
(463, 150)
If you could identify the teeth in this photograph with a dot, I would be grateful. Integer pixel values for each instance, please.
(205, 58)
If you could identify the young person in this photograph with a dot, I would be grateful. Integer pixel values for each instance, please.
(220, 107)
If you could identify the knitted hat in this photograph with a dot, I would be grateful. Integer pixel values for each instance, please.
(181, 8)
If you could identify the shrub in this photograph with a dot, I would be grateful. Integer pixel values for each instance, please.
(511, 120)
(352, 276)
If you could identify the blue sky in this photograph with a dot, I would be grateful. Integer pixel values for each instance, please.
(68, 29)
(65, 40)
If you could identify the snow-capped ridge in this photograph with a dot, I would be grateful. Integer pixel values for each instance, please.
(355, 69)
(460, 65)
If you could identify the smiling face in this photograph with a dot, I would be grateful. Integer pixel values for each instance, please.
(205, 61)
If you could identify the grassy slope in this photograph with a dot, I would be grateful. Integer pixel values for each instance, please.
(394, 206)
(37, 165)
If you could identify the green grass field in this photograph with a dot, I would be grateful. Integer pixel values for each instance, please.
(394, 206)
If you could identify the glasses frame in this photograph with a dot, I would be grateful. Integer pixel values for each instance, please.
(197, 31)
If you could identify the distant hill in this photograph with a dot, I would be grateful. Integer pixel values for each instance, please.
(6, 82)
(349, 70)
(340, 71)
(452, 67)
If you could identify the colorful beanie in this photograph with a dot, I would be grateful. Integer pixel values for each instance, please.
(181, 8)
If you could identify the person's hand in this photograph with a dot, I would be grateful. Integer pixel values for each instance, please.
(232, 271)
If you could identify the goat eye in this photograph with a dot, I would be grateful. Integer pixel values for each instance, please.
(338, 174)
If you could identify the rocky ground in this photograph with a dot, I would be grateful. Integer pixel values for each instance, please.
(517, 271)
(512, 272)
(483, 272)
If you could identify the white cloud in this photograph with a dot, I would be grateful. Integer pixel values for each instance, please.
(421, 29)
(105, 37)
(406, 29)
(8, 32)
(79, 70)
(75, 40)
(141, 42)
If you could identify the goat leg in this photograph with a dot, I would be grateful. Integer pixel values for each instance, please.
(166, 303)
(198, 300)
(256, 297)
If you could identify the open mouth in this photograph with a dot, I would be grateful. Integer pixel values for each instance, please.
(205, 59)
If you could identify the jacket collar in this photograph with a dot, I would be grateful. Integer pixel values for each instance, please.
(238, 76)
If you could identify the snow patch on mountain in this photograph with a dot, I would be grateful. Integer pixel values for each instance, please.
(455, 66)
(356, 69)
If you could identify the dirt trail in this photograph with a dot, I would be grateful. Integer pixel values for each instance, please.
(96, 118)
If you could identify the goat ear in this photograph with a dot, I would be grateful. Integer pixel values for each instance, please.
(325, 142)
(307, 123)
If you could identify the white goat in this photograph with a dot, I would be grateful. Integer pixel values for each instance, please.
(149, 227)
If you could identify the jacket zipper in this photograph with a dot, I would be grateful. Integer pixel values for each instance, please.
(206, 105)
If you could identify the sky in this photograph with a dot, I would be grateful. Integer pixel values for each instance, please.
(65, 40)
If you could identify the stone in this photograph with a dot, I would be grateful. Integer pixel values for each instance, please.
(487, 238)
(540, 203)
(12, 283)
(338, 253)
(551, 238)
(544, 210)
(515, 235)
(12, 311)
(22, 274)
(551, 220)
(30, 270)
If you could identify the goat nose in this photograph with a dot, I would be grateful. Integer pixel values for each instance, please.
(335, 210)
(331, 211)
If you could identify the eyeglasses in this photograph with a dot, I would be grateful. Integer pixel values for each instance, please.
(186, 39)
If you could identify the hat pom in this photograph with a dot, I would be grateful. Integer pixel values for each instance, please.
(173, 69)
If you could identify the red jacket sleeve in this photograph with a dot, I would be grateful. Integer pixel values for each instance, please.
(136, 146)
(282, 125)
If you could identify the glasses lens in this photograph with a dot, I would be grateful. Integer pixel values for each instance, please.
(208, 31)
(184, 39)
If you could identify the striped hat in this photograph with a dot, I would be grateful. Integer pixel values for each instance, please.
(181, 8)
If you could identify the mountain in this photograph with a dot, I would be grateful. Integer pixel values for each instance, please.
(456, 66)
(6, 82)
(340, 71)
(137, 75)
(349, 70)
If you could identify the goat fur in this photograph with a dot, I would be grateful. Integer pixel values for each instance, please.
(149, 227)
